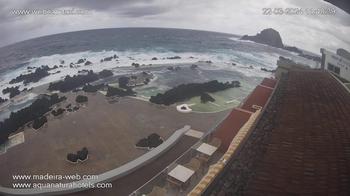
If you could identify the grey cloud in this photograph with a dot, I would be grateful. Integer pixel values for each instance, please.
(140, 11)
(87, 4)
(308, 4)
(343, 18)
(108, 6)
(21, 27)
(238, 17)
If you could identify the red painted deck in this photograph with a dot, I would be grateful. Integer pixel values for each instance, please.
(230, 126)
(238, 117)
(269, 82)
(258, 97)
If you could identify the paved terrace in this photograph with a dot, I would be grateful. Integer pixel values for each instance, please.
(225, 132)
(301, 144)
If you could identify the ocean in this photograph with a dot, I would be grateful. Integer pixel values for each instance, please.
(140, 45)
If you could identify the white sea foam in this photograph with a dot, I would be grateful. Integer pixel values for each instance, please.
(221, 60)
(241, 40)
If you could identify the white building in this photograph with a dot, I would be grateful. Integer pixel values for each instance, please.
(336, 64)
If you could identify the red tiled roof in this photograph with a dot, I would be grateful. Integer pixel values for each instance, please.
(309, 152)
(301, 145)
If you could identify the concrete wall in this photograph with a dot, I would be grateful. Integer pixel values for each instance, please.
(347, 85)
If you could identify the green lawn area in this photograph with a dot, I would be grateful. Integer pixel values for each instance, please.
(223, 100)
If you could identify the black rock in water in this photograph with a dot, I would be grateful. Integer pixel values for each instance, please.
(123, 82)
(187, 91)
(205, 97)
(105, 73)
(92, 88)
(39, 73)
(29, 67)
(108, 58)
(87, 63)
(174, 57)
(112, 91)
(147, 80)
(19, 118)
(13, 91)
(70, 83)
(81, 61)
(2, 100)
(269, 37)
(293, 49)
(170, 68)
(267, 70)
(136, 65)
(84, 71)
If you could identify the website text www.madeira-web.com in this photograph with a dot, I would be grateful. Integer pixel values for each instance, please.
(47, 181)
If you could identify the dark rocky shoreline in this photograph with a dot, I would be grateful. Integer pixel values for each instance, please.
(34, 112)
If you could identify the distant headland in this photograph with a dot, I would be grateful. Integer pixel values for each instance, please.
(273, 38)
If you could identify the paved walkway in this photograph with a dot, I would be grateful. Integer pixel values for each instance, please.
(126, 185)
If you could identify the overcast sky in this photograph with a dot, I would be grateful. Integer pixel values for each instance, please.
(231, 16)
